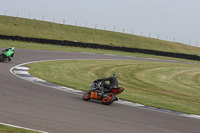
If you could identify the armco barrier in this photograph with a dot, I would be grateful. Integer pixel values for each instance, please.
(99, 46)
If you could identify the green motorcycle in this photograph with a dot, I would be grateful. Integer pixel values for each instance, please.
(5, 55)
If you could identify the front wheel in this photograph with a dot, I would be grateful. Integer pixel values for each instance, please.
(109, 99)
(86, 96)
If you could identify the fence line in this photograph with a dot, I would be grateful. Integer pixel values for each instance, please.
(114, 29)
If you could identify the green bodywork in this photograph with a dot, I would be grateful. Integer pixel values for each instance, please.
(8, 53)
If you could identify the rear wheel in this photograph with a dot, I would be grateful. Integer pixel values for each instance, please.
(1, 57)
(109, 99)
(86, 96)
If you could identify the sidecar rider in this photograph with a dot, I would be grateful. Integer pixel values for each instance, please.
(113, 82)
(12, 55)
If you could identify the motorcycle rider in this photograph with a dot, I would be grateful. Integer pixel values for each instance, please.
(12, 55)
(113, 82)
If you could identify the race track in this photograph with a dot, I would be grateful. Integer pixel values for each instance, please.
(34, 106)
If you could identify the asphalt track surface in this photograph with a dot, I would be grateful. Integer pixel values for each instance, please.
(31, 105)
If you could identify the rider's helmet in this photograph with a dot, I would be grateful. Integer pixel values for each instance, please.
(94, 85)
(113, 75)
(12, 48)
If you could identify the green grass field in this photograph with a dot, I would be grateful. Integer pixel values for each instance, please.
(164, 85)
(48, 30)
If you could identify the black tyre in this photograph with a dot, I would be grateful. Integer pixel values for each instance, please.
(86, 96)
(110, 99)
(1, 58)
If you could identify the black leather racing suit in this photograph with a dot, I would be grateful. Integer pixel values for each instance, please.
(113, 82)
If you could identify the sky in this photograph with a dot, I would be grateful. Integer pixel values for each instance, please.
(171, 20)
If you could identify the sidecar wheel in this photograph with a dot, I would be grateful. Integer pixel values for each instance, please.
(86, 96)
(110, 99)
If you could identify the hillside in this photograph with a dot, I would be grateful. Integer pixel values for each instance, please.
(41, 29)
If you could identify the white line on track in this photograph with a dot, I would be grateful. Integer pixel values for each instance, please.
(109, 54)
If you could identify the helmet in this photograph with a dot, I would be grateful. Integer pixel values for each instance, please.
(12, 48)
(94, 85)
(113, 75)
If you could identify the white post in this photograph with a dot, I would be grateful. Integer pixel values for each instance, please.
(64, 21)
(5, 12)
(96, 26)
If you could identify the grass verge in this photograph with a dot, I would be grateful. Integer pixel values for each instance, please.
(164, 85)
(10, 129)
